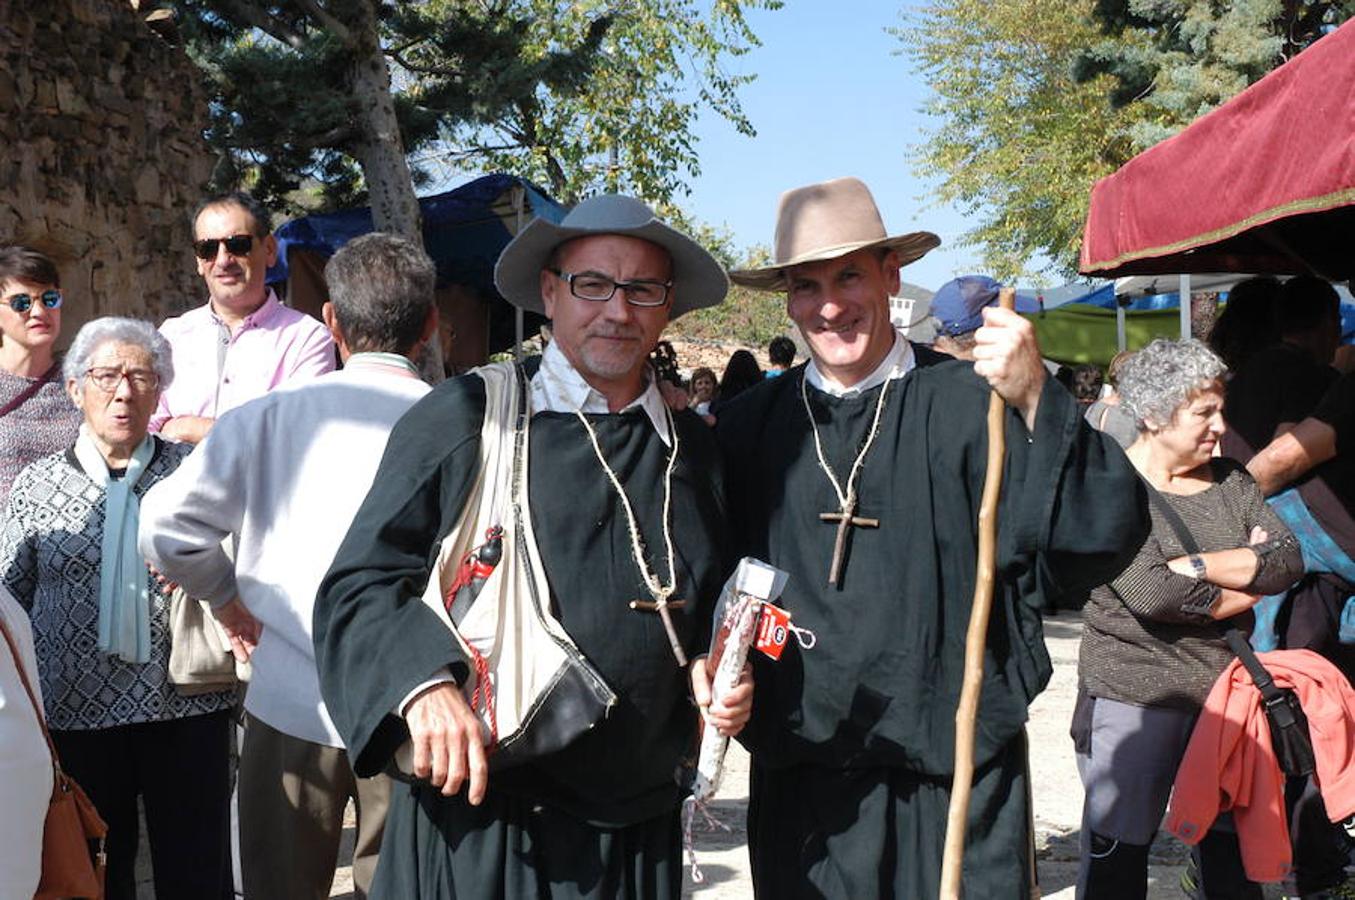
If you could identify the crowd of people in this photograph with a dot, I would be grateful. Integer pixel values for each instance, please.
(481, 610)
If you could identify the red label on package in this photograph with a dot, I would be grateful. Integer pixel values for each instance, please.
(773, 630)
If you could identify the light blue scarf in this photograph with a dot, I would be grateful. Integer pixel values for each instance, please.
(124, 601)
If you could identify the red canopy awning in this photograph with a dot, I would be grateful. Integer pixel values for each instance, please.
(1264, 183)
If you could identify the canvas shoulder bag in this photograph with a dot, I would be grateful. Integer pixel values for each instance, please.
(531, 687)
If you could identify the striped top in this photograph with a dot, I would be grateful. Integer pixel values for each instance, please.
(1148, 638)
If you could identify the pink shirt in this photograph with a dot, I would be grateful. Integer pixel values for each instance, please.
(274, 344)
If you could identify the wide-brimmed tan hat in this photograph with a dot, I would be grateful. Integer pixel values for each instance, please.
(825, 221)
(698, 280)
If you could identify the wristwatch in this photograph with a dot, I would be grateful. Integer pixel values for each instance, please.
(1196, 565)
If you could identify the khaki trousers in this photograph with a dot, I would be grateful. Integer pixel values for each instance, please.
(292, 799)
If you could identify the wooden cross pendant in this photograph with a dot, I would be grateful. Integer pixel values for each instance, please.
(652, 606)
(845, 519)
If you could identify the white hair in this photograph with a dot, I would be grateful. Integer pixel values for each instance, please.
(97, 332)
(1162, 377)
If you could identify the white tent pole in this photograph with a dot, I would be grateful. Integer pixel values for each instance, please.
(1121, 335)
(1184, 293)
(519, 201)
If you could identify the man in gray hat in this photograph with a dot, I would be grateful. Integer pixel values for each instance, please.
(860, 474)
(625, 506)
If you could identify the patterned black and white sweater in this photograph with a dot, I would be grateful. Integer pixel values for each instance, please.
(49, 559)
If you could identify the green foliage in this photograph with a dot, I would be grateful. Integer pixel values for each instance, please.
(284, 114)
(629, 127)
(747, 317)
(1014, 140)
(1176, 60)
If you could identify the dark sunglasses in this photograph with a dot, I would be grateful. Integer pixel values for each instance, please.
(236, 245)
(22, 303)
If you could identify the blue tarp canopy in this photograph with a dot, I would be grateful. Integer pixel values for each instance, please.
(464, 229)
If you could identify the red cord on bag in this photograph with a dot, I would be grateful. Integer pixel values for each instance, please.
(471, 574)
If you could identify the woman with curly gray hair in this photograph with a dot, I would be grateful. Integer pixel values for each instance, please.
(68, 554)
(1151, 649)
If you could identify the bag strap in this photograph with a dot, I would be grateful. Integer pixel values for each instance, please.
(32, 698)
(27, 393)
(1237, 641)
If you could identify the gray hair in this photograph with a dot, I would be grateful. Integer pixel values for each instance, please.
(97, 332)
(1163, 376)
(381, 286)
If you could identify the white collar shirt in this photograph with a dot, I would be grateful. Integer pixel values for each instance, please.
(558, 387)
(898, 362)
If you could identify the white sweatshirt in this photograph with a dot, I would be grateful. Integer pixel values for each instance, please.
(284, 474)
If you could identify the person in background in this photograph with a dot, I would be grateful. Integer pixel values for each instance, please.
(1108, 413)
(781, 352)
(957, 313)
(1087, 382)
(283, 475)
(101, 629)
(242, 342)
(1248, 323)
(705, 391)
(36, 415)
(1151, 649)
(741, 373)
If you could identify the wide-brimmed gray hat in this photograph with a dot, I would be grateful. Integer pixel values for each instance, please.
(826, 221)
(698, 280)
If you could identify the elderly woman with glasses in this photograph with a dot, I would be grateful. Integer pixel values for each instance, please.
(1151, 646)
(36, 416)
(100, 620)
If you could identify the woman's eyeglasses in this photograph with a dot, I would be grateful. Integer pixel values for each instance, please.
(107, 379)
(22, 303)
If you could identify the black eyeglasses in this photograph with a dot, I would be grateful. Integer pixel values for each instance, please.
(236, 245)
(107, 379)
(600, 288)
(22, 303)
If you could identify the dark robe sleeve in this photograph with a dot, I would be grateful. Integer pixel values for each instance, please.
(1074, 511)
(375, 640)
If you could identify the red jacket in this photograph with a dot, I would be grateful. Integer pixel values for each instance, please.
(1230, 763)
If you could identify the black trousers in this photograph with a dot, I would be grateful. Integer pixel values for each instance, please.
(180, 770)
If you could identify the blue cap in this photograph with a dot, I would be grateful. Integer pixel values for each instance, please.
(958, 303)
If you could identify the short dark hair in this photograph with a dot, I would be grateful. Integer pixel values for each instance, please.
(20, 263)
(1087, 382)
(258, 213)
(1306, 303)
(381, 286)
(781, 350)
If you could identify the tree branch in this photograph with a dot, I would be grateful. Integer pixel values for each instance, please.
(258, 17)
(322, 15)
(420, 69)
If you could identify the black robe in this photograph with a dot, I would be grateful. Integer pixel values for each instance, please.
(599, 817)
(874, 701)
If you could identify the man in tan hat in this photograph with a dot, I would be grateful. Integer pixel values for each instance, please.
(626, 518)
(860, 473)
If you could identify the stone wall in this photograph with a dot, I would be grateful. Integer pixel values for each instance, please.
(101, 155)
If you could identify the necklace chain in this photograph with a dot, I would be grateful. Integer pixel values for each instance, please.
(658, 589)
(846, 498)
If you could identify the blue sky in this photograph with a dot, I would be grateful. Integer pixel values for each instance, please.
(832, 98)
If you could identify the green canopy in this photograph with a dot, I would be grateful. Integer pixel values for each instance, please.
(1080, 333)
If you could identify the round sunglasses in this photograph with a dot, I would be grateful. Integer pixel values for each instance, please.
(22, 303)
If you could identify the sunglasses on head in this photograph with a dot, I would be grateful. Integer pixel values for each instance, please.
(22, 303)
(236, 245)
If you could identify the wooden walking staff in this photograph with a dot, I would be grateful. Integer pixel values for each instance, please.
(966, 714)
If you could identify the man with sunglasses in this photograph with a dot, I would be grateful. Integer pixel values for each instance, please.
(242, 342)
(626, 505)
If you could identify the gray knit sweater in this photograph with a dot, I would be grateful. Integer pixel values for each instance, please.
(1147, 636)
